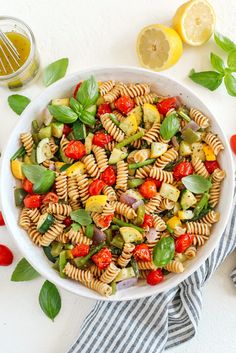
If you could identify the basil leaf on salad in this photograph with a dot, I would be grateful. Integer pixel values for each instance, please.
(207, 79)
(55, 71)
(81, 216)
(88, 94)
(223, 42)
(24, 272)
(217, 63)
(42, 178)
(18, 103)
(63, 114)
(163, 251)
(196, 183)
(50, 300)
(231, 61)
(170, 126)
(76, 106)
(230, 84)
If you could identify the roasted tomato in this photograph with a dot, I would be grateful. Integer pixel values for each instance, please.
(142, 252)
(103, 258)
(80, 250)
(183, 242)
(96, 187)
(154, 277)
(50, 197)
(124, 104)
(100, 139)
(103, 109)
(27, 186)
(211, 166)
(167, 104)
(33, 201)
(183, 169)
(75, 149)
(109, 176)
(148, 189)
(147, 222)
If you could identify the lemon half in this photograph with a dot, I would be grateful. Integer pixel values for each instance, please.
(158, 47)
(195, 22)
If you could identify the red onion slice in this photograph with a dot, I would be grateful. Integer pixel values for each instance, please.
(192, 125)
(129, 200)
(126, 283)
(98, 236)
(174, 141)
(151, 235)
(136, 204)
(52, 166)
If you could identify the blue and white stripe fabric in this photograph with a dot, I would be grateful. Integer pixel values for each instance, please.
(153, 324)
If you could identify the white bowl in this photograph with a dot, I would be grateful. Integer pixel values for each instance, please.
(163, 85)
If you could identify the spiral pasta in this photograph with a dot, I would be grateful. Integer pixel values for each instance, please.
(158, 223)
(214, 142)
(211, 217)
(113, 94)
(27, 142)
(152, 205)
(91, 166)
(174, 266)
(199, 118)
(191, 252)
(53, 232)
(199, 240)
(152, 134)
(101, 157)
(143, 274)
(108, 209)
(33, 214)
(199, 167)
(109, 192)
(217, 177)
(34, 235)
(143, 172)
(24, 220)
(165, 204)
(141, 155)
(96, 272)
(103, 288)
(139, 89)
(110, 146)
(120, 117)
(63, 145)
(61, 185)
(148, 98)
(106, 87)
(126, 255)
(110, 273)
(78, 237)
(198, 228)
(52, 145)
(123, 209)
(161, 175)
(73, 191)
(59, 209)
(146, 265)
(48, 163)
(122, 176)
(77, 274)
(111, 128)
(83, 186)
(166, 158)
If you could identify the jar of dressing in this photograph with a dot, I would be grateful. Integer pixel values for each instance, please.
(19, 59)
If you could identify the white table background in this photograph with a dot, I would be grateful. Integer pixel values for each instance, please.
(90, 33)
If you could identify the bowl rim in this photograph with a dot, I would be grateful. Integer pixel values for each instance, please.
(177, 279)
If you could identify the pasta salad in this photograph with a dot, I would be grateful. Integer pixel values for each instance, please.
(118, 184)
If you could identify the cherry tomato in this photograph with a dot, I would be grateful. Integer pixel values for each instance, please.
(157, 182)
(67, 221)
(105, 221)
(76, 89)
(103, 258)
(147, 222)
(66, 129)
(233, 143)
(109, 176)
(100, 139)
(142, 253)
(124, 104)
(103, 109)
(75, 149)
(182, 169)
(167, 104)
(6, 256)
(80, 250)
(154, 277)
(148, 189)
(50, 197)
(33, 201)
(211, 166)
(183, 242)
(96, 187)
(27, 186)
(2, 222)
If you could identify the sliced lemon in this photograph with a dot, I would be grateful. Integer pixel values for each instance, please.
(158, 47)
(195, 22)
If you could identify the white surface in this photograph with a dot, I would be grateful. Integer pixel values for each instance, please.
(99, 33)
(64, 88)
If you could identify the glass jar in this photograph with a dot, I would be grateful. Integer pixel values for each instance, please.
(30, 67)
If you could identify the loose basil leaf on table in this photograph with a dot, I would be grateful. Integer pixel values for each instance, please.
(42, 178)
(230, 84)
(81, 216)
(164, 251)
(170, 126)
(231, 61)
(50, 300)
(223, 42)
(217, 63)
(88, 94)
(196, 183)
(18, 103)
(55, 71)
(207, 79)
(63, 114)
(24, 272)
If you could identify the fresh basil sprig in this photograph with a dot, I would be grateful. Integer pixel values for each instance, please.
(24, 272)
(196, 183)
(217, 63)
(81, 216)
(170, 126)
(18, 103)
(50, 300)
(84, 115)
(163, 251)
(63, 113)
(42, 178)
(230, 84)
(88, 94)
(223, 42)
(55, 71)
(209, 79)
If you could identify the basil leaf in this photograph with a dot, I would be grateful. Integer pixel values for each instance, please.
(50, 300)
(196, 183)
(76, 106)
(217, 63)
(42, 178)
(81, 216)
(230, 84)
(208, 79)
(55, 71)
(75, 227)
(163, 251)
(63, 113)
(24, 272)
(33, 172)
(170, 126)
(18, 103)
(231, 61)
(87, 118)
(87, 94)
(223, 42)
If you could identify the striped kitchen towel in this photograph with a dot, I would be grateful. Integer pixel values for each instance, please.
(156, 323)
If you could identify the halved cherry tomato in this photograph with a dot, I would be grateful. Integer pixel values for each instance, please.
(2, 222)
(50, 197)
(154, 277)
(80, 250)
(6, 256)
(142, 253)
(103, 258)
(233, 143)
(182, 169)
(211, 166)
(76, 89)
(96, 187)
(75, 149)
(167, 104)
(100, 139)
(105, 221)
(103, 109)
(66, 129)
(67, 221)
(124, 104)
(183, 242)
(109, 176)
(148, 221)
(27, 186)
(33, 201)
(157, 182)
(148, 189)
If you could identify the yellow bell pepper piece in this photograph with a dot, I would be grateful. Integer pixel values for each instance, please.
(209, 153)
(27, 159)
(77, 168)
(150, 113)
(16, 168)
(96, 203)
(61, 101)
(129, 125)
(174, 222)
(58, 165)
